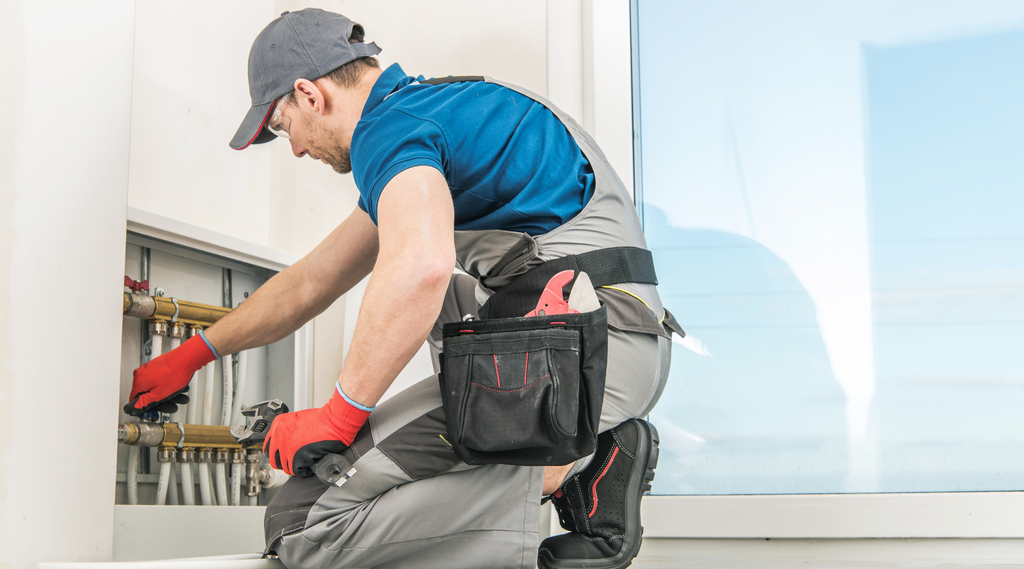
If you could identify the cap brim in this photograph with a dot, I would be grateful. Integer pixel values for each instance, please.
(252, 130)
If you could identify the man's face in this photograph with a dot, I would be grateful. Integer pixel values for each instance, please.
(312, 135)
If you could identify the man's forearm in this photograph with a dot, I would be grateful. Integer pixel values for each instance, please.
(398, 311)
(278, 308)
(405, 293)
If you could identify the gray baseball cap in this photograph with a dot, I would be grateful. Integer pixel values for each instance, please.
(307, 44)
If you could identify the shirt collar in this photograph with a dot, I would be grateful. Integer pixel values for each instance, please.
(392, 79)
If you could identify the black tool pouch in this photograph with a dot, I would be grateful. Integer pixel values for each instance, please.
(525, 391)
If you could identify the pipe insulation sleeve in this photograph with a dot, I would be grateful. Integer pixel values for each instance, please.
(229, 387)
(192, 408)
(236, 412)
(177, 415)
(236, 484)
(271, 477)
(172, 487)
(132, 477)
(157, 347)
(221, 483)
(204, 484)
(211, 378)
(163, 483)
(188, 485)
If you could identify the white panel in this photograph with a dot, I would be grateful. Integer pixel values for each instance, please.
(611, 90)
(190, 92)
(217, 243)
(63, 224)
(565, 56)
(170, 532)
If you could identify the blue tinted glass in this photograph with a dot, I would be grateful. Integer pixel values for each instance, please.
(834, 194)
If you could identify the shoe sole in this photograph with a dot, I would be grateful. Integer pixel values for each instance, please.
(648, 445)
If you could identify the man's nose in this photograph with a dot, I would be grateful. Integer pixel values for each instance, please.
(297, 150)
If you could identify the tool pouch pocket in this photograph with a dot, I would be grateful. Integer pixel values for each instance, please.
(524, 391)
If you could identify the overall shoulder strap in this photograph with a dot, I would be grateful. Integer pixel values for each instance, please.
(452, 79)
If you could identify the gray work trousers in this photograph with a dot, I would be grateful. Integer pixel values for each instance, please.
(413, 503)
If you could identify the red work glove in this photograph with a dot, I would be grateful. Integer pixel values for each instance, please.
(297, 440)
(161, 384)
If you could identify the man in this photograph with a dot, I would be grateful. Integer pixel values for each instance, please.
(458, 171)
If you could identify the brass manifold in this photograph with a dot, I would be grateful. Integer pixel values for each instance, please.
(170, 435)
(201, 443)
(161, 308)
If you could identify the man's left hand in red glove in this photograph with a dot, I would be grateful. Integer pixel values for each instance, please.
(297, 440)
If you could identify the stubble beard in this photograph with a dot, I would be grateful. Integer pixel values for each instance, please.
(340, 160)
(335, 155)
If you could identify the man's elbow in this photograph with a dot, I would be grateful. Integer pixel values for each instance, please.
(434, 273)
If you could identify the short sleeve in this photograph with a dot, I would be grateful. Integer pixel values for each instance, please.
(389, 145)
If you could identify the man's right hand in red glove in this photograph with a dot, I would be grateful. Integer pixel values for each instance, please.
(296, 441)
(161, 384)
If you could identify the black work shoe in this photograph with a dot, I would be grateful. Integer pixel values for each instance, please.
(600, 506)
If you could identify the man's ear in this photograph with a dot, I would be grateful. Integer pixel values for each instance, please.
(309, 96)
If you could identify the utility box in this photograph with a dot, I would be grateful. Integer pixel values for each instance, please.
(210, 498)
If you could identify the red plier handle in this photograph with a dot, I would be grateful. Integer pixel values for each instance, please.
(551, 299)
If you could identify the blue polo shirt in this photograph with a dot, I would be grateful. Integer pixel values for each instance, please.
(510, 164)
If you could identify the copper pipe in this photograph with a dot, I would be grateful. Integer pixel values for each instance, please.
(150, 307)
(169, 435)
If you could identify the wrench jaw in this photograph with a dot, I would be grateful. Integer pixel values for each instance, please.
(262, 414)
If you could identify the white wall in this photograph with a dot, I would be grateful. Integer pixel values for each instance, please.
(64, 111)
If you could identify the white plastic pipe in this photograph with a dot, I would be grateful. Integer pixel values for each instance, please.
(175, 418)
(236, 484)
(204, 484)
(254, 500)
(163, 483)
(133, 475)
(156, 349)
(236, 413)
(188, 486)
(211, 377)
(192, 408)
(229, 386)
(156, 346)
(221, 483)
(172, 486)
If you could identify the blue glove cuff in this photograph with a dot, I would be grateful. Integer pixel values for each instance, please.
(350, 402)
(209, 345)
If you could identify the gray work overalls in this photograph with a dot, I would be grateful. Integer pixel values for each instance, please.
(412, 502)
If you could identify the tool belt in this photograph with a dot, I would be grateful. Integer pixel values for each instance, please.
(529, 390)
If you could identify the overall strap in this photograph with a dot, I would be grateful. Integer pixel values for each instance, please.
(604, 267)
(452, 79)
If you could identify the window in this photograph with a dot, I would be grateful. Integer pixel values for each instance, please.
(834, 193)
